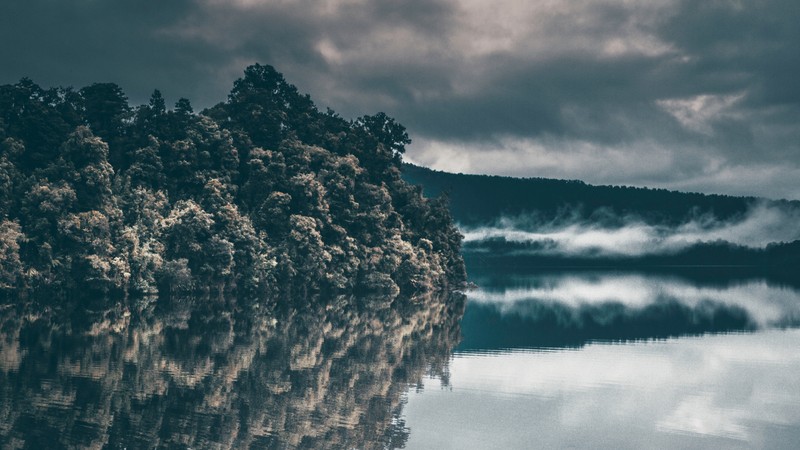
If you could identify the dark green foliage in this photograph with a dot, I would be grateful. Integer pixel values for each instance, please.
(388, 133)
(10, 265)
(183, 108)
(105, 109)
(262, 195)
(482, 199)
(40, 120)
(146, 168)
(268, 109)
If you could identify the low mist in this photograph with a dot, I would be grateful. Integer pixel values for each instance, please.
(630, 236)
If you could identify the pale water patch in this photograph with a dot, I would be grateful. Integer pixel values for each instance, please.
(730, 390)
(766, 304)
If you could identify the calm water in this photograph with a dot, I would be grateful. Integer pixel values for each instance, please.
(585, 359)
(618, 360)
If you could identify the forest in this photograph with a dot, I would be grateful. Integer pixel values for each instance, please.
(262, 196)
(482, 199)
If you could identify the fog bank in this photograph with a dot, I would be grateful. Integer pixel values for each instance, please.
(632, 236)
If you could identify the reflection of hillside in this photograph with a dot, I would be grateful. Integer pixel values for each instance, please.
(329, 376)
(536, 324)
(508, 271)
(528, 309)
(777, 261)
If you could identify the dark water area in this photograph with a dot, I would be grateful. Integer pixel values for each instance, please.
(530, 358)
(191, 375)
(533, 307)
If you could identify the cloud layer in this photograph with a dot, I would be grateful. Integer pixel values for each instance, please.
(679, 94)
(761, 226)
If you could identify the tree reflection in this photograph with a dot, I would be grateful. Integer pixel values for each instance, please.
(191, 375)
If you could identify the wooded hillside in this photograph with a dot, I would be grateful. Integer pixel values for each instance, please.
(262, 194)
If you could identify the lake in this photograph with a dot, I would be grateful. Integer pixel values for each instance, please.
(592, 359)
(686, 358)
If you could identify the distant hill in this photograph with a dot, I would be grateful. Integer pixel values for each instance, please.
(482, 199)
(546, 207)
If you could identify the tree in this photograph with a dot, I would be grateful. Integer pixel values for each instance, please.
(31, 115)
(259, 194)
(157, 104)
(251, 257)
(10, 264)
(269, 109)
(42, 207)
(378, 142)
(183, 107)
(386, 131)
(151, 120)
(10, 180)
(190, 233)
(96, 264)
(84, 163)
(142, 237)
(106, 111)
(146, 167)
(307, 251)
(179, 120)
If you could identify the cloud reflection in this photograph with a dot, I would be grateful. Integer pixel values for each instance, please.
(737, 390)
(765, 304)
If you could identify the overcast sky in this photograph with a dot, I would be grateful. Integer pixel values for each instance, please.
(690, 95)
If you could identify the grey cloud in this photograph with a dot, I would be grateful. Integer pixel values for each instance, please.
(76, 43)
(753, 43)
(699, 93)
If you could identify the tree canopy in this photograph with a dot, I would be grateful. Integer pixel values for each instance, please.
(262, 195)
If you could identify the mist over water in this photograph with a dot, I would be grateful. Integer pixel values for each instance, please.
(632, 236)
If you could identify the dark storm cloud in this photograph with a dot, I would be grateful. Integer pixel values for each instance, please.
(79, 42)
(349, 54)
(736, 44)
(683, 94)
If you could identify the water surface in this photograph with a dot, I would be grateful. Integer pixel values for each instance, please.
(549, 359)
(327, 373)
(592, 359)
